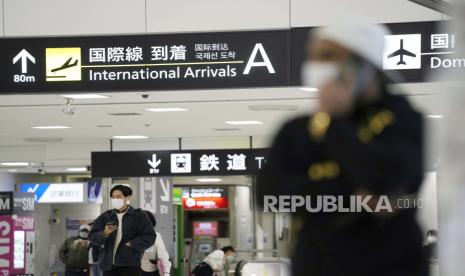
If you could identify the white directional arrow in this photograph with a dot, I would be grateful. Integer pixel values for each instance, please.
(154, 163)
(24, 56)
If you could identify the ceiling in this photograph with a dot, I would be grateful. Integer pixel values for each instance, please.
(208, 111)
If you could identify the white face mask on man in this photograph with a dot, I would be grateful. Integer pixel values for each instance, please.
(117, 203)
(318, 74)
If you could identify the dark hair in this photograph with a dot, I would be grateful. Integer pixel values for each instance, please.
(432, 232)
(151, 217)
(125, 190)
(228, 248)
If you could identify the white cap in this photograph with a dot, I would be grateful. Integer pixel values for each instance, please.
(364, 39)
(84, 227)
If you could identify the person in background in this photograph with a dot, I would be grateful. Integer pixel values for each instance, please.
(431, 248)
(93, 258)
(214, 262)
(122, 234)
(364, 142)
(74, 253)
(155, 260)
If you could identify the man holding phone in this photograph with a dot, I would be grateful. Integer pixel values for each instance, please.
(123, 234)
(363, 142)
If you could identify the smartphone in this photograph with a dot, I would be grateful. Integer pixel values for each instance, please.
(111, 223)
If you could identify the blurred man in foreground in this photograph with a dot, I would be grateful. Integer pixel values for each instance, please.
(362, 141)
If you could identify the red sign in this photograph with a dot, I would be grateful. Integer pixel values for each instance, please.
(206, 228)
(205, 203)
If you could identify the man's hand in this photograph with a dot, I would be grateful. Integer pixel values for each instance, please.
(337, 98)
(109, 228)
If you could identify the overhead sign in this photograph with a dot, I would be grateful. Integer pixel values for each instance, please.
(414, 51)
(172, 163)
(94, 191)
(55, 192)
(205, 198)
(144, 62)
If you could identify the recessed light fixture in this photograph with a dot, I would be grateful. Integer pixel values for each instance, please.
(12, 170)
(50, 127)
(82, 169)
(243, 123)
(129, 137)
(435, 116)
(206, 180)
(308, 89)
(14, 164)
(167, 109)
(84, 96)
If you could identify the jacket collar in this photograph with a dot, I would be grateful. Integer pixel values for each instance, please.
(130, 211)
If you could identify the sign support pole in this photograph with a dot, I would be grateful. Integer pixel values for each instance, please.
(254, 203)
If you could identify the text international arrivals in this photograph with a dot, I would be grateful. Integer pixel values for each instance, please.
(177, 73)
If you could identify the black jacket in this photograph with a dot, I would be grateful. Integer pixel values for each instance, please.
(137, 229)
(379, 149)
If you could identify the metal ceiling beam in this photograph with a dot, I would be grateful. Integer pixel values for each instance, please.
(437, 5)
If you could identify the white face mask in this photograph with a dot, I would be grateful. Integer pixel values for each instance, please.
(83, 235)
(431, 239)
(318, 74)
(117, 203)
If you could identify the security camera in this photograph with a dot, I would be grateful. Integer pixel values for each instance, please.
(41, 171)
(54, 221)
(145, 96)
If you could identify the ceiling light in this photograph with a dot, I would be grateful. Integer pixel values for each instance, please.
(243, 123)
(15, 164)
(435, 116)
(128, 137)
(167, 109)
(77, 169)
(308, 89)
(50, 127)
(205, 180)
(12, 170)
(84, 96)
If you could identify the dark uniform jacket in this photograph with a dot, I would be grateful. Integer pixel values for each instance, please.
(74, 255)
(137, 229)
(378, 148)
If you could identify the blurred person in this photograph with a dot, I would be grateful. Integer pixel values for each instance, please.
(431, 248)
(214, 262)
(94, 266)
(74, 253)
(123, 234)
(155, 261)
(362, 141)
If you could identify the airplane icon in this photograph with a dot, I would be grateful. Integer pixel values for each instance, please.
(402, 52)
(65, 65)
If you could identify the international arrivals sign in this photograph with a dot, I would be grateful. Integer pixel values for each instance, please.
(178, 163)
(144, 62)
(199, 60)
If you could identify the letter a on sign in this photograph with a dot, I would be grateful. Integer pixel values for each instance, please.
(252, 63)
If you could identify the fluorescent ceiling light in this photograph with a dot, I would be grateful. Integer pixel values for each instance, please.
(129, 137)
(309, 89)
(77, 169)
(243, 123)
(15, 164)
(50, 127)
(205, 180)
(435, 116)
(84, 96)
(167, 109)
(12, 170)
